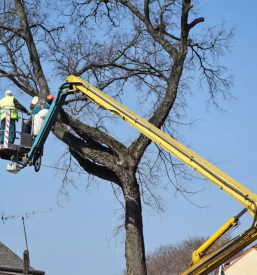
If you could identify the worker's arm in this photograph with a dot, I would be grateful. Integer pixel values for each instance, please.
(20, 106)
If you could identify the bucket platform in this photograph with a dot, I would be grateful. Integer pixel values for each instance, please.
(15, 151)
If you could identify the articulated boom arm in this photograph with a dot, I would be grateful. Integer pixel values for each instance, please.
(201, 262)
(34, 155)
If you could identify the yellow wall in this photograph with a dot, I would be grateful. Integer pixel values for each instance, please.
(247, 265)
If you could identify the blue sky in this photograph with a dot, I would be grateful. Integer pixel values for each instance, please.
(75, 237)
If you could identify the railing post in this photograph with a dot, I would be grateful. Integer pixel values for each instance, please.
(7, 128)
(26, 262)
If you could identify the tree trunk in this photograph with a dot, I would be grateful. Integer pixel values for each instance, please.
(135, 247)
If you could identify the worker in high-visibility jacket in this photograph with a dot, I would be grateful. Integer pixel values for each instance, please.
(11, 103)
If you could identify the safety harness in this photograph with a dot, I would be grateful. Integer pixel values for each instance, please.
(42, 104)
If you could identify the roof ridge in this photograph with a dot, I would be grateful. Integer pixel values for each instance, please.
(9, 258)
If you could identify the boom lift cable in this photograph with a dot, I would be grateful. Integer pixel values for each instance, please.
(71, 171)
(219, 241)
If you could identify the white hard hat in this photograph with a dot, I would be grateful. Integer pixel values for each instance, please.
(34, 100)
(8, 92)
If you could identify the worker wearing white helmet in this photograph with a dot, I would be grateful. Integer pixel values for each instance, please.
(11, 103)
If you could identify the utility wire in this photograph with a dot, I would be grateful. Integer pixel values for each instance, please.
(72, 171)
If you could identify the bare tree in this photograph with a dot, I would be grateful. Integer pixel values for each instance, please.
(173, 259)
(153, 48)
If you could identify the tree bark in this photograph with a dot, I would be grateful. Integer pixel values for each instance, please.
(33, 53)
(134, 247)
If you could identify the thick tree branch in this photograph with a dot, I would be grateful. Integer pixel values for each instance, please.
(147, 11)
(139, 146)
(95, 169)
(13, 30)
(74, 125)
(84, 149)
(91, 134)
(195, 22)
(34, 58)
(186, 6)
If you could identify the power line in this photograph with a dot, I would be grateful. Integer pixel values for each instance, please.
(72, 171)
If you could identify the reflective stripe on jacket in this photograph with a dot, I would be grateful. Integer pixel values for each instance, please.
(8, 103)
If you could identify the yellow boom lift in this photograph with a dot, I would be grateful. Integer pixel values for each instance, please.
(203, 261)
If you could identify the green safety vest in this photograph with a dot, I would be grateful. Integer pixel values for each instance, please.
(7, 103)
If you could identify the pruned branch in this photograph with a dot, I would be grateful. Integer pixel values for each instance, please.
(195, 22)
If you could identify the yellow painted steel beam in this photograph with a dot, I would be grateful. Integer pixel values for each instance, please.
(222, 254)
(227, 184)
(201, 265)
(196, 256)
